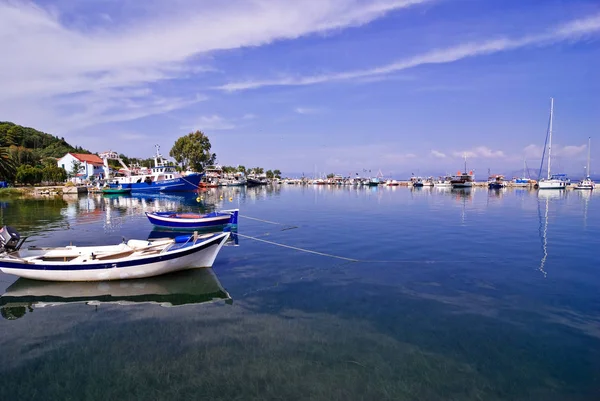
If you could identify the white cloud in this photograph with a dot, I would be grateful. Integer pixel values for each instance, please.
(535, 151)
(248, 116)
(573, 30)
(211, 123)
(49, 58)
(307, 110)
(438, 154)
(571, 150)
(480, 152)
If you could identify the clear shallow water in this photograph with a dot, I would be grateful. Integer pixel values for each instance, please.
(480, 295)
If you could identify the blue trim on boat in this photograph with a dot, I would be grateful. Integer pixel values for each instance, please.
(112, 265)
(181, 184)
(221, 219)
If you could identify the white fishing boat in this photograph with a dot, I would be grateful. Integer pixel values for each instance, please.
(464, 179)
(128, 260)
(587, 182)
(443, 182)
(552, 181)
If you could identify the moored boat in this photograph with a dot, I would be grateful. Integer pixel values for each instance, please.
(496, 181)
(191, 221)
(128, 260)
(587, 182)
(116, 191)
(163, 177)
(552, 181)
(464, 179)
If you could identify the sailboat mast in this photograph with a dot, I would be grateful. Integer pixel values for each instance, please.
(588, 161)
(550, 135)
(465, 163)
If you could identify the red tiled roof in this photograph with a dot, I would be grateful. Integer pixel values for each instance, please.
(91, 159)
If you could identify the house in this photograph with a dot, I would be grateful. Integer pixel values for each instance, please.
(91, 166)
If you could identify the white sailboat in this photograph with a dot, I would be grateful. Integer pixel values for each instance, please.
(587, 182)
(556, 181)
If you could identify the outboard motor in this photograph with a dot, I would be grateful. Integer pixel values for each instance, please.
(9, 239)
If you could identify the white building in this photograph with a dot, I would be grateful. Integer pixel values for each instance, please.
(91, 165)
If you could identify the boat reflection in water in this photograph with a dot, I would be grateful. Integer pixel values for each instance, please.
(189, 287)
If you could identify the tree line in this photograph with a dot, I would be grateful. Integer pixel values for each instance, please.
(29, 156)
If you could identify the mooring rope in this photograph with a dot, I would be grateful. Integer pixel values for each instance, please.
(298, 249)
(263, 221)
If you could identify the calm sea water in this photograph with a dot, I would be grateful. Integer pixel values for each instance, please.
(416, 295)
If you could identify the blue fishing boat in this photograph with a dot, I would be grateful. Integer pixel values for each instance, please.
(193, 221)
(163, 177)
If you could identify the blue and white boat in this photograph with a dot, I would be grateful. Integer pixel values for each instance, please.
(193, 221)
(163, 177)
(128, 260)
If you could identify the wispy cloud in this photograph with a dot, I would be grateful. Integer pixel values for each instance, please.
(480, 152)
(572, 30)
(249, 116)
(211, 123)
(307, 110)
(148, 48)
(535, 151)
(438, 154)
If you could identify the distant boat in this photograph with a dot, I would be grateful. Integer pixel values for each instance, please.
(417, 182)
(522, 181)
(496, 181)
(443, 182)
(428, 182)
(587, 182)
(374, 181)
(464, 179)
(552, 181)
(255, 179)
(116, 191)
(133, 259)
(193, 221)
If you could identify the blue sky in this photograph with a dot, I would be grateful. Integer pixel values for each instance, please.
(327, 85)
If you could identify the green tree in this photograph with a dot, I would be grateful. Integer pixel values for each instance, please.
(193, 151)
(277, 173)
(258, 170)
(76, 168)
(29, 175)
(7, 166)
(54, 174)
(48, 161)
(330, 175)
(241, 169)
(269, 174)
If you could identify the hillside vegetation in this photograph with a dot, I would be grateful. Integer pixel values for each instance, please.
(29, 156)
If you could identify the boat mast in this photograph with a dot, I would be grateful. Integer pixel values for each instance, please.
(465, 163)
(588, 161)
(550, 135)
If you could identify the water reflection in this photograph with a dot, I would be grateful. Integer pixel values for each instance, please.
(194, 286)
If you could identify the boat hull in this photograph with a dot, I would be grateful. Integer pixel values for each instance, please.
(552, 184)
(462, 185)
(202, 254)
(116, 191)
(181, 184)
(175, 221)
